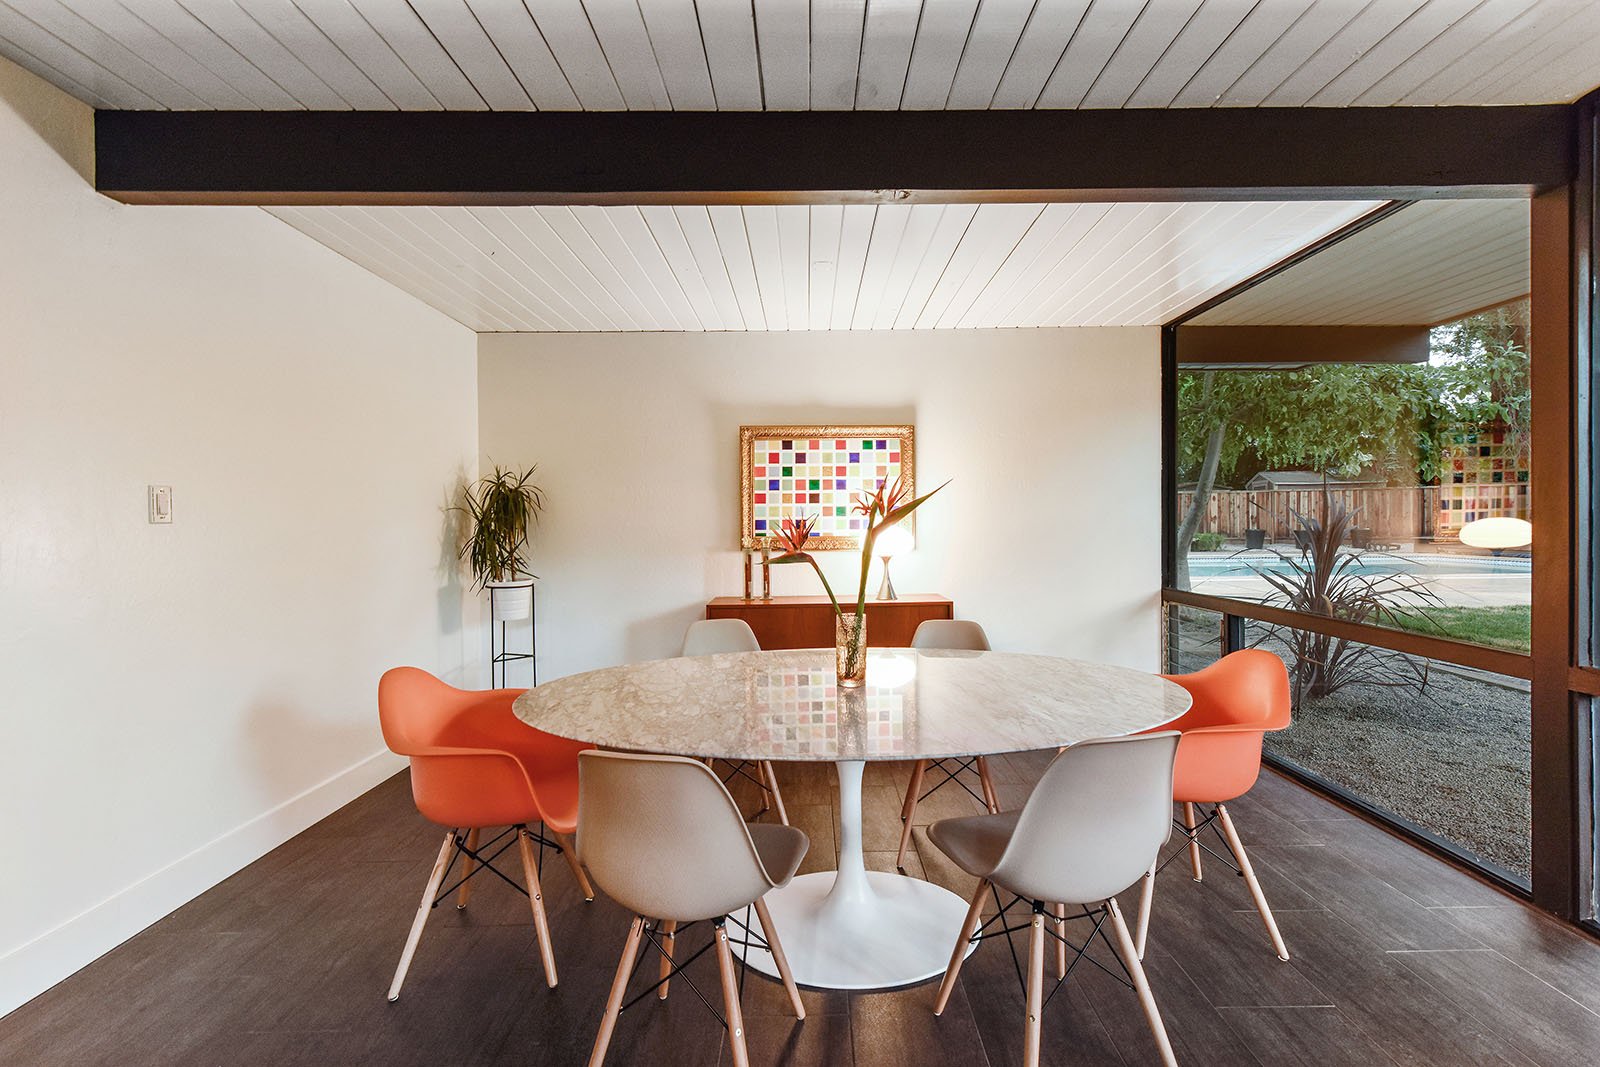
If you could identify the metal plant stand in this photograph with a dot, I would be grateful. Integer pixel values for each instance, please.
(499, 655)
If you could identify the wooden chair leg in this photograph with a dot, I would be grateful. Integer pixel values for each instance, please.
(619, 988)
(570, 850)
(467, 865)
(909, 805)
(1237, 848)
(669, 945)
(766, 787)
(1030, 1040)
(910, 808)
(1147, 893)
(1061, 945)
(770, 932)
(990, 797)
(771, 778)
(1141, 985)
(429, 891)
(541, 925)
(730, 999)
(1194, 842)
(968, 925)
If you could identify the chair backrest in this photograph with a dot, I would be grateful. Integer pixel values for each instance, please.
(1095, 821)
(456, 780)
(706, 637)
(1248, 688)
(663, 837)
(950, 633)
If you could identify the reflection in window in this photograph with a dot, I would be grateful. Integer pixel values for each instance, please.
(1194, 638)
(1342, 489)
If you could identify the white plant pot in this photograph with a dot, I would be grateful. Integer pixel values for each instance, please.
(511, 600)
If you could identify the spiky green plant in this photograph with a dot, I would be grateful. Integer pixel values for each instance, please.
(1329, 582)
(502, 509)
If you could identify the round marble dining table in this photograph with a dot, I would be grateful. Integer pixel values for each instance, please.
(852, 928)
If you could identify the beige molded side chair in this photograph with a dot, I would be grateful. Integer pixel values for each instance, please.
(663, 837)
(953, 634)
(1091, 829)
(707, 637)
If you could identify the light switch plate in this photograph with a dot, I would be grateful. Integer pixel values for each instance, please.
(161, 504)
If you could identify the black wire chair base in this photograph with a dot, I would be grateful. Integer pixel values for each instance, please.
(1211, 821)
(483, 859)
(1098, 915)
(737, 770)
(963, 765)
(747, 939)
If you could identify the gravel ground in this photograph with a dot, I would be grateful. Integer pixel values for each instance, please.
(1454, 760)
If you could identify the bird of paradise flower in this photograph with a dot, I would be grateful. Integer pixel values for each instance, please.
(883, 507)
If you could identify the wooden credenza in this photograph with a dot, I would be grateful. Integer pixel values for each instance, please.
(807, 621)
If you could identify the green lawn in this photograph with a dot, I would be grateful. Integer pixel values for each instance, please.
(1498, 627)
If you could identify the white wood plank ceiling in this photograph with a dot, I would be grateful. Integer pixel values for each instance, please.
(819, 267)
(793, 55)
(1429, 263)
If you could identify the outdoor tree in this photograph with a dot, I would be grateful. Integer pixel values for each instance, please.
(1481, 368)
(1336, 418)
(1342, 419)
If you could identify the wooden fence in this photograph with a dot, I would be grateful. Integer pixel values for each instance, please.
(1392, 514)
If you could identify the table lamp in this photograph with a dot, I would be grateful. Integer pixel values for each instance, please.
(1497, 534)
(895, 541)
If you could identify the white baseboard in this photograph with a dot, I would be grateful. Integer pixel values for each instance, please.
(35, 966)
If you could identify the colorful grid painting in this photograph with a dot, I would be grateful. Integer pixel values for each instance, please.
(801, 471)
(1485, 475)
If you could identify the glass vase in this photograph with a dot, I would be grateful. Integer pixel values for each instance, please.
(850, 649)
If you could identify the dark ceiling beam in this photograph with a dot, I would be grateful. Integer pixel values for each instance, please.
(221, 157)
(1291, 346)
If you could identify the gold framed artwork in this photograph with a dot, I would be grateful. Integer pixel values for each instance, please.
(801, 471)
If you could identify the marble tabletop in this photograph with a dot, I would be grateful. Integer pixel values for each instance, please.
(917, 704)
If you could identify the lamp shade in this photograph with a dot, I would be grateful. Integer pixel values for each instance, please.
(895, 541)
(1498, 532)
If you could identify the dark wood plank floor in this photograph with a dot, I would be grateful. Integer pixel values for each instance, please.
(1399, 959)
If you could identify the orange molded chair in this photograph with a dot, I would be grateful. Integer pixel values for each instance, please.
(475, 765)
(1237, 701)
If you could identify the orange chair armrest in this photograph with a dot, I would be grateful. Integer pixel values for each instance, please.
(457, 750)
(1232, 728)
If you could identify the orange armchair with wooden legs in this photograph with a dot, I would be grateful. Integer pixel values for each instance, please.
(1237, 701)
(475, 765)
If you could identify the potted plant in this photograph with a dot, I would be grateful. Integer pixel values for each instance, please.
(883, 508)
(502, 508)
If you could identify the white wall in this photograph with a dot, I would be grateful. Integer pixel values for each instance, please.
(179, 699)
(1048, 534)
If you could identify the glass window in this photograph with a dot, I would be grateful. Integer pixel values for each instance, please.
(1194, 638)
(1332, 462)
(1443, 747)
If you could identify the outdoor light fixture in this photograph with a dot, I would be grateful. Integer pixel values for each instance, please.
(1497, 534)
(895, 541)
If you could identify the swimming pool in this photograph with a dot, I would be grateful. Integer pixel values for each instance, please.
(1431, 565)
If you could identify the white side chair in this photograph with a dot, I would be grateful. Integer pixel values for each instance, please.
(707, 637)
(1091, 829)
(953, 634)
(663, 837)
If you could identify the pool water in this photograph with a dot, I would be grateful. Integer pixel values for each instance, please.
(1245, 564)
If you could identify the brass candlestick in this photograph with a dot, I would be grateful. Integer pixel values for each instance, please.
(766, 569)
(748, 588)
